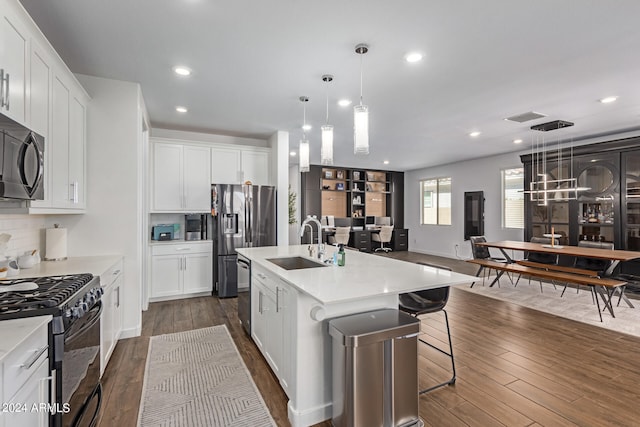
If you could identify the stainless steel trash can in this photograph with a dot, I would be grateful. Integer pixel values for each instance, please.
(375, 369)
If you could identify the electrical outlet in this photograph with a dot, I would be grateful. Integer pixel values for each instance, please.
(415, 240)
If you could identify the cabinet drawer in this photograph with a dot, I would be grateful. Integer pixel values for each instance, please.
(23, 361)
(181, 248)
(264, 277)
(109, 276)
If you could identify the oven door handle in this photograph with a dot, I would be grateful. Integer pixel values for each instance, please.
(89, 323)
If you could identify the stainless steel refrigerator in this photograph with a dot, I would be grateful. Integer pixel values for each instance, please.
(244, 216)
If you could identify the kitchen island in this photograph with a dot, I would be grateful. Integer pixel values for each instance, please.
(289, 309)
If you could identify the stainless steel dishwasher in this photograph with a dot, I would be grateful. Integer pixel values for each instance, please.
(244, 292)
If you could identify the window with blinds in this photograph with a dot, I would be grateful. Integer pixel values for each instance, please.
(513, 198)
(435, 195)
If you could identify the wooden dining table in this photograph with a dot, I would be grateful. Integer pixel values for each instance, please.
(613, 255)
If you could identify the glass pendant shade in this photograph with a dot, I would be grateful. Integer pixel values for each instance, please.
(304, 155)
(326, 150)
(360, 129)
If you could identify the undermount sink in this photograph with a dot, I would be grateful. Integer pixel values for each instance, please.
(295, 263)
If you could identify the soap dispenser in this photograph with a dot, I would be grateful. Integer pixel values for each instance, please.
(341, 255)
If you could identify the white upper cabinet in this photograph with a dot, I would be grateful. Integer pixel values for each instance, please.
(180, 178)
(225, 166)
(235, 165)
(45, 96)
(14, 52)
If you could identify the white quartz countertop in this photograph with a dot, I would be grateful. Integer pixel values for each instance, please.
(364, 275)
(14, 331)
(96, 265)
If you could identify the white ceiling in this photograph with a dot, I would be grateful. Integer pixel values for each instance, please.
(252, 59)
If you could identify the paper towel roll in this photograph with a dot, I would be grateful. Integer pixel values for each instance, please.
(56, 244)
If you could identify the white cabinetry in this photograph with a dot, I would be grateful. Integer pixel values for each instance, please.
(26, 375)
(111, 324)
(271, 323)
(235, 165)
(41, 93)
(181, 269)
(14, 51)
(181, 178)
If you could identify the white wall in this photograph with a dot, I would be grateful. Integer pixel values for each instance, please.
(473, 175)
(115, 187)
(279, 143)
(27, 233)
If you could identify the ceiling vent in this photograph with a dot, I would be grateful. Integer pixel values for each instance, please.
(525, 117)
(556, 124)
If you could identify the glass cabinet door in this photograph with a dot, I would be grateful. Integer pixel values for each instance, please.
(632, 195)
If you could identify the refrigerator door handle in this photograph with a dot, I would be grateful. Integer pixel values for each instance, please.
(250, 218)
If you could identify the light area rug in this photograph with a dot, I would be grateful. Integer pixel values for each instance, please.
(197, 378)
(575, 306)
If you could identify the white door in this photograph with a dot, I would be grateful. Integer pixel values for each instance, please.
(77, 132)
(13, 59)
(59, 144)
(106, 328)
(198, 272)
(40, 91)
(197, 178)
(258, 314)
(166, 275)
(255, 165)
(34, 391)
(225, 166)
(167, 177)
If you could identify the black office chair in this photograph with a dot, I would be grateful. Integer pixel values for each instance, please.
(482, 252)
(541, 257)
(599, 266)
(425, 302)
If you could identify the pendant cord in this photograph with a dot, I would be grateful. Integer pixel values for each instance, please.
(327, 93)
(361, 78)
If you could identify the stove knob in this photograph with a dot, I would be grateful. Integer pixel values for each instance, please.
(90, 299)
(84, 306)
(68, 313)
(76, 312)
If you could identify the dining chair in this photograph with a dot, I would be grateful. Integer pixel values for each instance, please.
(384, 236)
(541, 257)
(429, 301)
(482, 252)
(341, 236)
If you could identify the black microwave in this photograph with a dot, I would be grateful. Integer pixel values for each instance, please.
(21, 161)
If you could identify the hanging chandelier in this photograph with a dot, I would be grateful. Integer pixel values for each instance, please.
(361, 114)
(326, 150)
(304, 143)
(542, 189)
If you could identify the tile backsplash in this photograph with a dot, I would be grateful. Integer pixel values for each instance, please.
(27, 233)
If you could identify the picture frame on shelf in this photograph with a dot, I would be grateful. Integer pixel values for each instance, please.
(340, 186)
(356, 175)
(340, 174)
(328, 174)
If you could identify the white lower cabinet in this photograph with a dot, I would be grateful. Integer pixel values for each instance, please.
(26, 383)
(112, 282)
(270, 321)
(180, 269)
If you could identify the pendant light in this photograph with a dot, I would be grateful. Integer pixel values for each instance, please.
(304, 143)
(361, 114)
(326, 150)
(542, 190)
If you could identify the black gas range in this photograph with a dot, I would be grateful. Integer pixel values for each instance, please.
(74, 339)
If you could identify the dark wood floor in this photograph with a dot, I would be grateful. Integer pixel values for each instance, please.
(516, 366)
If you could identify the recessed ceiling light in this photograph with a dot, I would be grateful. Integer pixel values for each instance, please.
(386, 162)
(517, 141)
(474, 134)
(608, 99)
(413, 57)
(181, 109)
(344, 102)
(306, 127)
(292, 153)
(182, 71)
